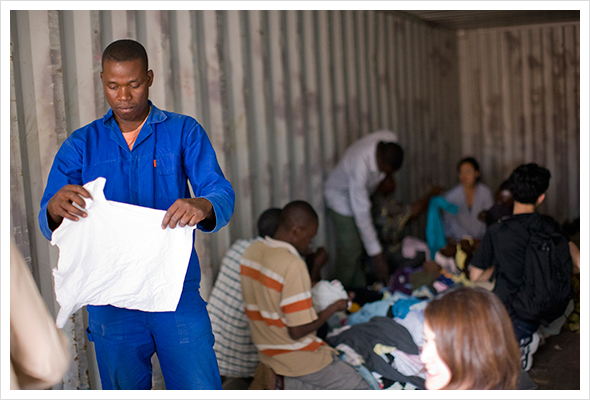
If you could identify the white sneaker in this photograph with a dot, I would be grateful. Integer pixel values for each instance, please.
(527, 350)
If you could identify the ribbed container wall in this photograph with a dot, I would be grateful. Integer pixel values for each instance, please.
(282, 94)
(520, 103)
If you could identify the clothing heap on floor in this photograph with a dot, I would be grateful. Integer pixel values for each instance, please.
(382, 339)
(383, 335)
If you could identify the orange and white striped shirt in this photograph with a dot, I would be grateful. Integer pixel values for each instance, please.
(276, 291)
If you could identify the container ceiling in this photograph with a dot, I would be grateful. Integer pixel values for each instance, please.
(473, 19)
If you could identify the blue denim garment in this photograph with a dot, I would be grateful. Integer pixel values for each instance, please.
(169, 149)
(364, 372)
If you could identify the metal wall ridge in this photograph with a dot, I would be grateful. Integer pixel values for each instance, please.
(282, 94)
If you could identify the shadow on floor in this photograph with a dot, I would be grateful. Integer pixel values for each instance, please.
(556, 364)
(236, 383)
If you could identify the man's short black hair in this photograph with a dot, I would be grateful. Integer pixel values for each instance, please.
(391, 154)
(297, 213)
(469, 160)
(528, 182)
(505, 185)
(268, 222)
(125, 50)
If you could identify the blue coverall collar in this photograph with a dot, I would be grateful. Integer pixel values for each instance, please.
(155, 116)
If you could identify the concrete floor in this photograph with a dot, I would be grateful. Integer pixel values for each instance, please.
(556, 364)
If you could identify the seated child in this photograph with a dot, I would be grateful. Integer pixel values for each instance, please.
(502, 207)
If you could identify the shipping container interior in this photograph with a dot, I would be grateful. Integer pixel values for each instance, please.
(282, 94)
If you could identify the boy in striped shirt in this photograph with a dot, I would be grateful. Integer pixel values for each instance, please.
(277, 300)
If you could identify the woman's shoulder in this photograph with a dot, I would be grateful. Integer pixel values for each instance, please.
(453, 192)
(484, 189)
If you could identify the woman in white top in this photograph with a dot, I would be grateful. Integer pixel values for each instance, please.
(471, 197)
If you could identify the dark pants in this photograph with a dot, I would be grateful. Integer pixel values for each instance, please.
(523, 329)
(349, 251)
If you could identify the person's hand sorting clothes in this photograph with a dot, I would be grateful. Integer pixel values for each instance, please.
(381, 268)
(62, 205)
(189, 212)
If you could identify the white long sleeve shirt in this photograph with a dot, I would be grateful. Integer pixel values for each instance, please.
(350, 185)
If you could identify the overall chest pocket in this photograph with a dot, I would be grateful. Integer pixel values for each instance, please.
(169, 176)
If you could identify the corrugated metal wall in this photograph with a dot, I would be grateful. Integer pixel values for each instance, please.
(520, 103)
(282, 94)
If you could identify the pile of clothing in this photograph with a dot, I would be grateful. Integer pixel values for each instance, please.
(383, 347)
(383, 339)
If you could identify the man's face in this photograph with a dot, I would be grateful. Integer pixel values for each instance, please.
(387, 185)
(304, 237)
(383, 167)
(505, 197)
(126, 88)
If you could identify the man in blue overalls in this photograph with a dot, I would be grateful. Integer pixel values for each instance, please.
(146, 156)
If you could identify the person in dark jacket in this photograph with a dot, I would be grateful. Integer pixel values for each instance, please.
(503, 249)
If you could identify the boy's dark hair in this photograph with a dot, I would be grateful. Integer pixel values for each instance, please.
(297, 213)
(125, 50)
(528, 182)
(391, 154)
(469, 160)
(505, 185)
(268, 222)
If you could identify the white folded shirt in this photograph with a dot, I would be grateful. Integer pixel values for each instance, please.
(119, 255)
(326, 293)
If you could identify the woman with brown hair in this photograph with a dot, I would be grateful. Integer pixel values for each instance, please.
(469, 342)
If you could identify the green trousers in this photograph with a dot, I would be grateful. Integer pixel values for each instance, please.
(349, 251)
